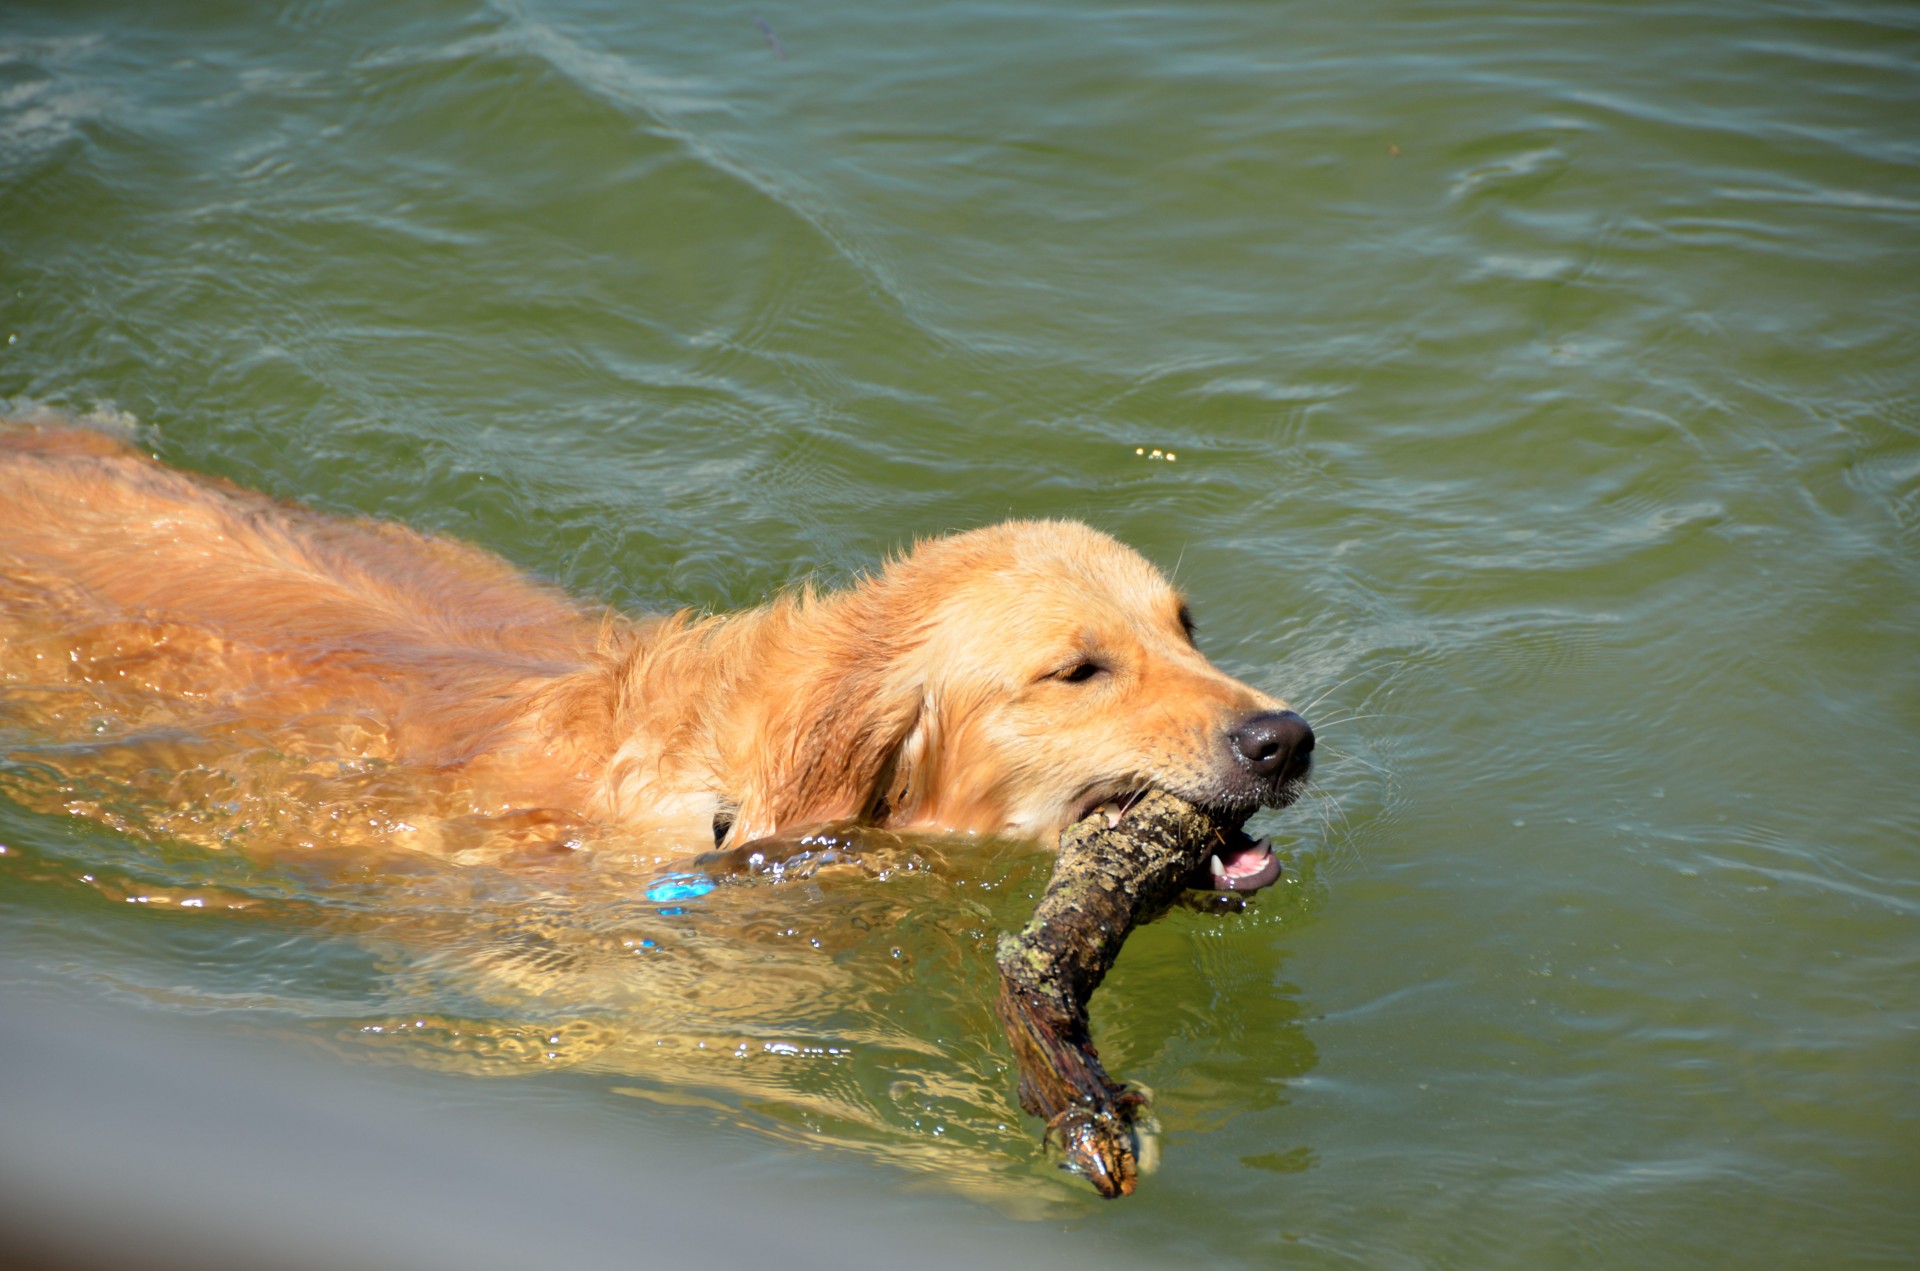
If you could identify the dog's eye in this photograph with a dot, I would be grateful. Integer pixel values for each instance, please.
(1080, 672)
(1186, 624)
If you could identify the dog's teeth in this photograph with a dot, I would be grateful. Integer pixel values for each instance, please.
(1219, 870)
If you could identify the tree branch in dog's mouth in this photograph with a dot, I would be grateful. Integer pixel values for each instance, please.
(1116, 869)
(1237, 862)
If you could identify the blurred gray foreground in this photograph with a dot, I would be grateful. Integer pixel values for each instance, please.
(150, 1143)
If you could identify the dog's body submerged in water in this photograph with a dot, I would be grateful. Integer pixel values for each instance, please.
(1005, 680)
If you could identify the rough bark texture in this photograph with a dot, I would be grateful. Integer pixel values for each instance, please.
(1108, 880)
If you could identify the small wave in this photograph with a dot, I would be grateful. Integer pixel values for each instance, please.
(1808, 195)
(670, 104)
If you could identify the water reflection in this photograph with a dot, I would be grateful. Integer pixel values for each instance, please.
(835, 991)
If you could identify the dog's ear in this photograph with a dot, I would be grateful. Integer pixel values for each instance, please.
(852, 760)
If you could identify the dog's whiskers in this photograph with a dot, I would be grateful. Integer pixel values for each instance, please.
(1337, 720)
(1392, 669)
(1368, 764)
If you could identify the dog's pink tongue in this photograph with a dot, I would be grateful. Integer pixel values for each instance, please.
(1246, 868)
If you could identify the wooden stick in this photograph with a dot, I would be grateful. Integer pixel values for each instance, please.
(1108, 880)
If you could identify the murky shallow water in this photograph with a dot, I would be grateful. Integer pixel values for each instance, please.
(1542, 385)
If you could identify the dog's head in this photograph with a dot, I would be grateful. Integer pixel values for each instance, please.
(1015, 678)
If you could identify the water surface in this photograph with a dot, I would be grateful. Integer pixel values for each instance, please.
(1542, 385)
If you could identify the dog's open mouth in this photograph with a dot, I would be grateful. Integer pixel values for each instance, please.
(1241, 864)
(1238, 863)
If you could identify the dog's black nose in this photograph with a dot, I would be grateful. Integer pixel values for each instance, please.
(1277, 745)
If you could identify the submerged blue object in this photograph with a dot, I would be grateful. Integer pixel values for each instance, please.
(680, 887)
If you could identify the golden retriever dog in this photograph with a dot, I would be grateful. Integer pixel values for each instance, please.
(1006, 680)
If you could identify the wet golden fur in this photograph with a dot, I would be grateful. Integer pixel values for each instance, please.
(1000, 680)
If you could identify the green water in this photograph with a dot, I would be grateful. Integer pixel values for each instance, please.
(1544, 382)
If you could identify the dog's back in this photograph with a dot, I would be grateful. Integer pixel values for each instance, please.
(190, 599)
(99, 531)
